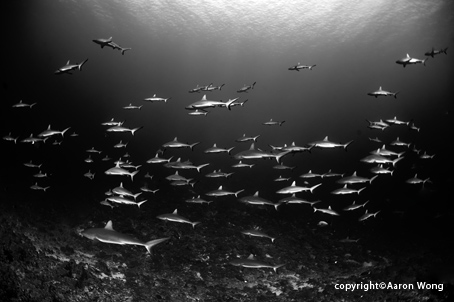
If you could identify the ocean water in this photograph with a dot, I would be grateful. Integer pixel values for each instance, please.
(178, 45)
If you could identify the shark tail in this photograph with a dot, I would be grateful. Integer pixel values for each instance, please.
(132, 175)
(194, 223)
(372, 179)
(125, 49)
(193, 145)
(280, 124)
(347, 144)
(230, 150)
(277, 266)
(63, 132)
(32, 105)
(148, 245)
(280, 155)
(395, 94)
(314, 187)
(135, 129)
(359, 191)
(445, 51)
(253, 84)
(396, 161)
(201, 166)
(238, 192)
(81, 64)
(140, 203)
(136, 195)
(424, 61)
(310, 67)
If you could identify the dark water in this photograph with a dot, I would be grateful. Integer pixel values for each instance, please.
(177, 46)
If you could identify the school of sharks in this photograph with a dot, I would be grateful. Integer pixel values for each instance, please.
(298, 187)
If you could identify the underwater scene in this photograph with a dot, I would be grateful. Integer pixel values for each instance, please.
(227, 150)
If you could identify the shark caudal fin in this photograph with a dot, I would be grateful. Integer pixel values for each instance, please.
(63, 132)
(125, 49)
(277, 266)
(424, 61)
(395, 94)
(194, 223)
(310, 67)
(80, 65)
(347, 144)
(140, 203)
(135, 129)
(193, 145)
(148, 245)
(132, 174)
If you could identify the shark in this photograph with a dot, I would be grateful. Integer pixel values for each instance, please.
(21, 104)
(257, 233)
(298, 67)
(31, 139)
(108, 235)
(415, 180)
(375, 158)
(38, 187)
(245, 88)
(253, 153)
(158, 160)
(381, 92)
(296, 200)
(328, 211)
(102, 42)
(345, 190)
(256, 200)
(114, 45)
(367, 215)
(434, 52)
(221, 192)
(50, 132)
(250, 262)
(124, 200)
(123, 129)
(177, 218)
(66, 69)
(310, 174)
(10, 138)
(245, 138)
(205, 103)
(198, 199)
(176, 144)
(325, 143)
(294, 148)
(273, 123)
(120, 190)
(117, 170)
(211, 87)
(240, 164)
(355, 206)
(131, 107)
(295, 189)
(216, 149)
(355, 179)
(409, 61)
(155, 98)
(198, 112)
(89, 175)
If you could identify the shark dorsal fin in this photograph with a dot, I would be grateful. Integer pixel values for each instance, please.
(175, 212)
(121, 184)
(256, 194)
(179, 159)
(204, 98)
(252, 147)
(329, 208)
(293, 143)
(109, 225)
(251, 257)
(48, 128)
(175, 139)
(67, 63)
(326, 138)
(214, 146)
(345, 186)
(220, 188)
(294, 183)
(408, 56)
(354, 173)
(380, 88)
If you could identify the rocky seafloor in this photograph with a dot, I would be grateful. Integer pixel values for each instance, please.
(44, 258)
